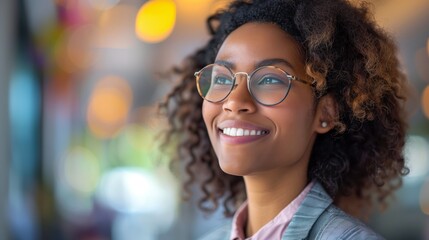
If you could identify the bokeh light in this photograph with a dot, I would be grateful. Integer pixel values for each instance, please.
(155, 20)
(134, 190)
(135, 146)
(81, 170)
(417, 156)
(109, 106)
(425, 101)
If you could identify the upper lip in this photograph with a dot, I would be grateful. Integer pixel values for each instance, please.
(230, 123)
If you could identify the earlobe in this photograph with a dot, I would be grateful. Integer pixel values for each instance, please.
(324, 124)
(326, 114)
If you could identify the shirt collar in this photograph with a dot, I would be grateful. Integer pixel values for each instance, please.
(275, 227)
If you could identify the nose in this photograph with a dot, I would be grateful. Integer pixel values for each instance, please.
(240, 100)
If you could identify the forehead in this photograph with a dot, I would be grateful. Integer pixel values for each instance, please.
(253, 42)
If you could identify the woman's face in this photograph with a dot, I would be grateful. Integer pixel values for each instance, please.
(287, 129)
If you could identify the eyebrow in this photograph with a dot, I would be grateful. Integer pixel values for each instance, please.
(265, 62)
(273, 61)
(225, 63)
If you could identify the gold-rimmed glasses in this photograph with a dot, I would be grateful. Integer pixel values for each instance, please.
(268, 85)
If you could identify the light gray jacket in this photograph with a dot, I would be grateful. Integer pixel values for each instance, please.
(316, 218)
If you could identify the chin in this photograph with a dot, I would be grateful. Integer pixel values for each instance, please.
(232, 168)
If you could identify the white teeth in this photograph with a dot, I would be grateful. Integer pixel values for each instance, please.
(238, 132)
(233, 132)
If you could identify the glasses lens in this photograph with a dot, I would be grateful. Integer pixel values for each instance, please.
(269, 85)
(215, 82)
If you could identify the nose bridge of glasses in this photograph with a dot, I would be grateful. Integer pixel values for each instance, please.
(240, 92)
(238, 80)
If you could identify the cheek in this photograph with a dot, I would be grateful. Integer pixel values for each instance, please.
(206, 113)
(294, 123)
(291, 122)
(298, 108)
(209, 111)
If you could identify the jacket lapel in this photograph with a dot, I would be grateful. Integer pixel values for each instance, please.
(314, 204)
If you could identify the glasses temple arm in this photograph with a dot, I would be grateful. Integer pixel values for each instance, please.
(313, 83)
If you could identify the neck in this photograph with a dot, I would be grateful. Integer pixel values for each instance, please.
(269, 193)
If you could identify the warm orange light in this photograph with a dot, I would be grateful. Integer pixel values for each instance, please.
(425, 101)
(193, 13)
(218, 5)
(109, 106)
(192, 9)
(155, 20)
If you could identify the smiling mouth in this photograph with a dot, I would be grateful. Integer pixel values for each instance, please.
(240, 132)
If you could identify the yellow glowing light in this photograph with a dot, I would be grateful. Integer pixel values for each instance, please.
(109, 106)
(425, 101)
(155, 20)
(424, 197)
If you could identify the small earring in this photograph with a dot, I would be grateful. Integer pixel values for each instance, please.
(324, 124)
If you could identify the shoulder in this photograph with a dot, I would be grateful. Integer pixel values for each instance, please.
(336, 224)
(220, 233)
(318, 218)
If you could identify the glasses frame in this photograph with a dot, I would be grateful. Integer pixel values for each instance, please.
(248, 77)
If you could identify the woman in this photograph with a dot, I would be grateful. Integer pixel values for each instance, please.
(290, 116)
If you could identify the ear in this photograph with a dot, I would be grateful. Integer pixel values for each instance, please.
(326, 114)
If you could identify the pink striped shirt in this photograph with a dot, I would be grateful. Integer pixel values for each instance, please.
(275, 228)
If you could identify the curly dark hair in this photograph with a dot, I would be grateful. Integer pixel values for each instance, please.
(352, 60)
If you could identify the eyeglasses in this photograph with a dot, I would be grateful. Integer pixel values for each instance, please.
(268, 85)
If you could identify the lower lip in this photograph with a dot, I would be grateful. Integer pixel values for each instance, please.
(241, 139)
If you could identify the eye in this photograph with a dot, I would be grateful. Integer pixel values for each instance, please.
(222, 80)
(270, 81)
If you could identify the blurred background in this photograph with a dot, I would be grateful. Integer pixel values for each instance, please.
(79, 85)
